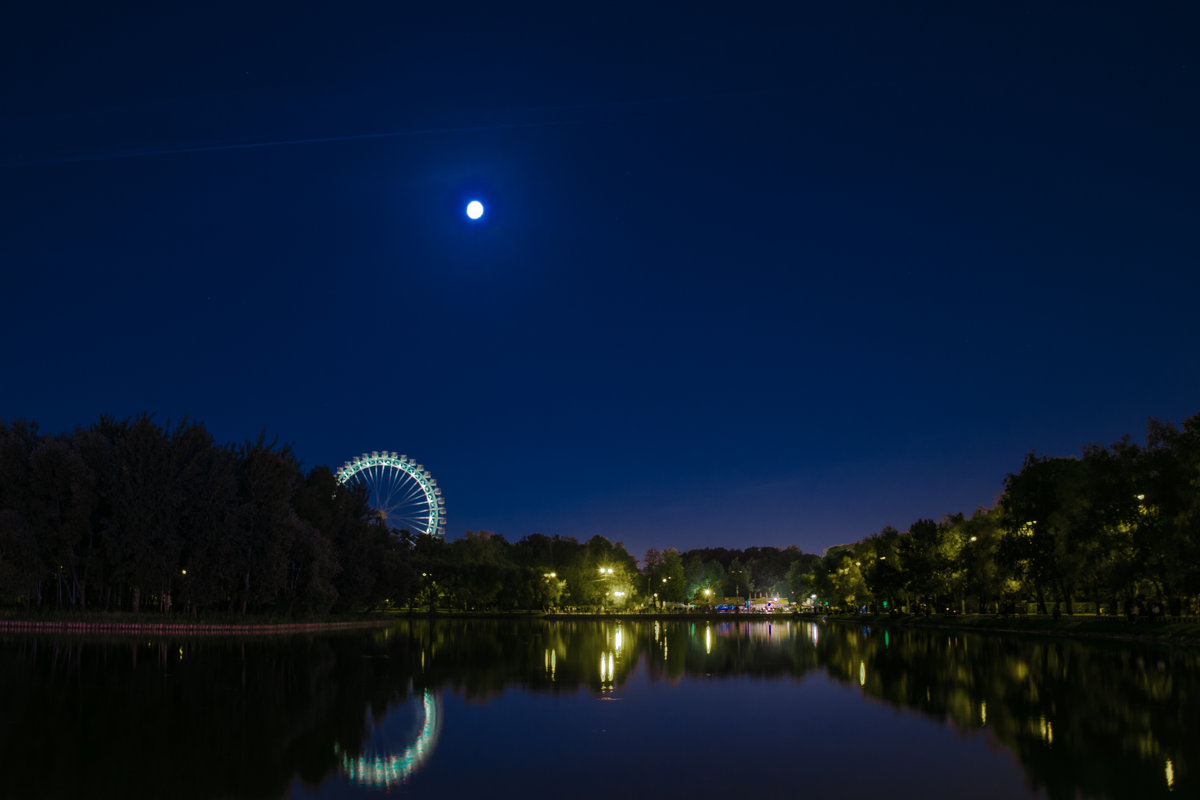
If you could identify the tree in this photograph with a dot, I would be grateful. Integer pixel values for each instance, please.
(62, 503)
(21, 571)
(265, 523)
(739, 582)
(919, 558)
(800, 578)
(1051, 525)
(704, 579)
(665, 576)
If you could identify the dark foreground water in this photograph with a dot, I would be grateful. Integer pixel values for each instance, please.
(598, 709)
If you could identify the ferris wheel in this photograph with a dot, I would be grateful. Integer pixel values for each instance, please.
(401, 492)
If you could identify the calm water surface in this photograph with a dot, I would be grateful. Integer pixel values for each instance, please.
(599, 709)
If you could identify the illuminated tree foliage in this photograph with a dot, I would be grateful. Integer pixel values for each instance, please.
(1116, 529)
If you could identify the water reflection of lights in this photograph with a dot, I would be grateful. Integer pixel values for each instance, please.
(551, 659)
(862, 673)
(707, 639)
(617, 637)
(812, 626)
(1046, 729)
(1170, 774)
(983, 712)
(608, 671)
(384, 771)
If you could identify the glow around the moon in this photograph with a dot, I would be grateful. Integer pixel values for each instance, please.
(474, 209)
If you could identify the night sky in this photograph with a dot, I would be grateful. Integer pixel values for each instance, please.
(746, 277)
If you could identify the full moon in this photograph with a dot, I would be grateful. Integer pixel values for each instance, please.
(474, 209)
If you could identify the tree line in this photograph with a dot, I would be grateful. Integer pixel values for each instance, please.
(1115, 529)
(131, 515)
(482, 570)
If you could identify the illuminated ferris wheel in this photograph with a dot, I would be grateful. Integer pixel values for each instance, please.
(401, 492)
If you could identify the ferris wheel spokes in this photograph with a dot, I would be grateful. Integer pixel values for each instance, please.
(402, 493)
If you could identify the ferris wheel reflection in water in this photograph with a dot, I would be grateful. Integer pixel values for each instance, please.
(382, 766)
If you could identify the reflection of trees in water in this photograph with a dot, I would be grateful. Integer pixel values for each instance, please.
(183, 718)
(245, 718)
(1096, 720)
(1082, 719)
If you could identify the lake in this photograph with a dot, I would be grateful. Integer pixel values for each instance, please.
(597, 709)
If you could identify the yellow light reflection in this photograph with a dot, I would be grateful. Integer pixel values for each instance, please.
(707, 639)
(862, 673)
(983, 712)
(617, 637)
(608, 669)
(1046, 729)
(1170, 774)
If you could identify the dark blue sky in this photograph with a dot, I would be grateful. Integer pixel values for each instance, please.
(747, 277)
